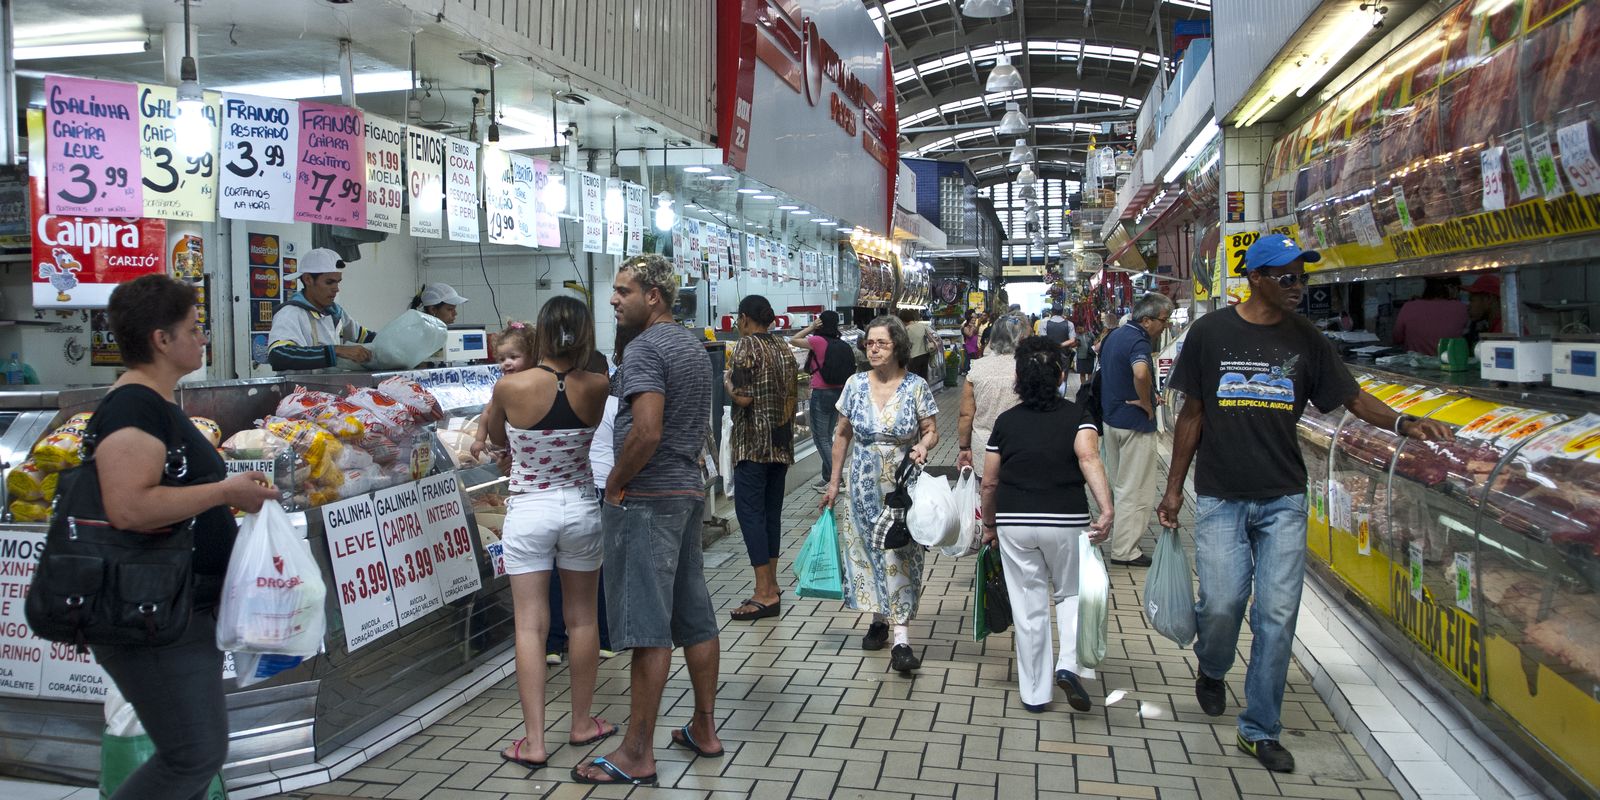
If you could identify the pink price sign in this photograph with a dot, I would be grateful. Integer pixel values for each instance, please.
(331, 166)
(92, 141)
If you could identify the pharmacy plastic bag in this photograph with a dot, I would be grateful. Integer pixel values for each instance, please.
(1094, 598)
(817, 570)
(967, 513)
(1169, 590)
(272, 598)
(407, 341)
(932, 517)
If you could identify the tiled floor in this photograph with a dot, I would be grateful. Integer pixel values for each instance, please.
(806, 714)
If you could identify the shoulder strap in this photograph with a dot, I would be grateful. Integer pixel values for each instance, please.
(177, 465)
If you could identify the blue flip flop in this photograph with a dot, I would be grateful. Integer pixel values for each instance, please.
(616, 773)
(687, 740)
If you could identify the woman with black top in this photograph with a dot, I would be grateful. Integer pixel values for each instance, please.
(1039, 457)
(177, 688)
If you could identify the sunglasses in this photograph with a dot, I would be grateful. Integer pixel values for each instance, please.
(1291, 279)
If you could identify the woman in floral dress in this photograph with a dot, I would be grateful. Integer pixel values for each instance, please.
(884, 414)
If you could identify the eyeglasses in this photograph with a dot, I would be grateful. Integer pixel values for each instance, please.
(1291, 279)
(875, 344)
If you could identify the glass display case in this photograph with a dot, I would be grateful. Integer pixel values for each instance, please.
(1480, 555)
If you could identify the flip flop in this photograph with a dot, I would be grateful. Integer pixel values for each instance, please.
(616, 773)
(599, 737)
(687, 740)
(762, 611)
(516, 756)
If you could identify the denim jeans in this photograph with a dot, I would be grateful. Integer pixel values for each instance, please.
(824, 415)
(1243, 546)
(758, 502)
(655, 576)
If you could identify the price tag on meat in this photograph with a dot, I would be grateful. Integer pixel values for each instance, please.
(386, 182)
(360, 574)
(445, 519)
(1363, 527)
(1414, 559)
(1494, 183)
(461, 190)
(425, 182)
(1544, 163)
(1521, 167)
(408, 552)
(1402, 208)
(1577, 157)
(178, 158)
(92, 148)
(1463, 570)
(259, 136)
(331, 171)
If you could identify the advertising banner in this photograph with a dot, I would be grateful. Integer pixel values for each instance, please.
(93, 147)
(425, 182)
(178, 183)
(259, 136)
(360, 573)
(331, 166)
(408, 552)
(461, 190)
(385, 180)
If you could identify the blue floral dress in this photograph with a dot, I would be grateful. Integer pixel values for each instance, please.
(887, 582)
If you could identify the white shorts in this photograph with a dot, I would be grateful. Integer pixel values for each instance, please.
(552, 529)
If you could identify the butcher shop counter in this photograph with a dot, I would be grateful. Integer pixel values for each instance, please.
(1479, 558)
(415, 626)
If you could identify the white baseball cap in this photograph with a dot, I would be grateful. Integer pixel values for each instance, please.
(435, 293)
(319, 261)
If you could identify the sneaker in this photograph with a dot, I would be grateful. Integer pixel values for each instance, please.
(1212, 694)
(606, 654)
(1076, 696)
(1269, 752)
(553, 659)
(877, 636)
(901, 659)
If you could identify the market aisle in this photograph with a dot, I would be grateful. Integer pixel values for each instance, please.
(806, 714)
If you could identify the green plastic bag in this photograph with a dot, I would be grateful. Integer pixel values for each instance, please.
(991, 604)
(121, 755)
(817, 570)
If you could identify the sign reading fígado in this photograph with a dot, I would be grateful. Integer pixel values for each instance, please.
(386, 182)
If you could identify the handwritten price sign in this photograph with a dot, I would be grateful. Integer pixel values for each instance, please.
(179, 182)
(1577, 158)
(425, 182)
(445, 518)
(461, 190)
(259, 136)
(408, 552)
(360, 573)
(385, 181)
(331, 168)
(92, 147)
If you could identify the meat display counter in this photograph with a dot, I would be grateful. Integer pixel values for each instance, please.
(1479, 556)
(441, 622)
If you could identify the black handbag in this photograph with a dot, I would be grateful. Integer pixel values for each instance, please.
(97, 584)
(897, 502)
(996, 597)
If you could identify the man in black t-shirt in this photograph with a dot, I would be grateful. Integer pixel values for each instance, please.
(1247, 373)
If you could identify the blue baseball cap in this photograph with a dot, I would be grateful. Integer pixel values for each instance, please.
(1276, 250)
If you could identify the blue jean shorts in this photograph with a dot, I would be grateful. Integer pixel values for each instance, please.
(656, 593)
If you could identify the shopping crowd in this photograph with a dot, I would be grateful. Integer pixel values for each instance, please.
(606, 468)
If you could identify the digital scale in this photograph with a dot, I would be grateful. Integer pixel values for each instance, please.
(1512, 359)
(1576, 362)
(464, 345)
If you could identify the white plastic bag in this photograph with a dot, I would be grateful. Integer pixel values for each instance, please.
(121, 719)
(407, 341)
(272, 598)
(932, 517)
(1094, 589)
(968, 513)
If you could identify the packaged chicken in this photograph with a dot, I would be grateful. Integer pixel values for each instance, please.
(302, 403)
(417, 400)
(58, 451)
(253, 445)
(382, 449)
(211, 430)
(77, 423)
(341, 419)
(30, 511)
(353, 458)
(357, 482)
(386, 408)
(27, 482)
(309, 440)
(322, 497)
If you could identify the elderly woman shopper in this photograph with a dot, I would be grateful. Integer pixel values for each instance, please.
(885, 414)
(176, 689)
(989, 390)
(1038, 460)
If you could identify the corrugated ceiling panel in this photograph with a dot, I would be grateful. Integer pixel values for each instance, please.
(1267, 25)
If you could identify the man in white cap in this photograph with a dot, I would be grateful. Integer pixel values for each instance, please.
(309, 331)
(439, 300)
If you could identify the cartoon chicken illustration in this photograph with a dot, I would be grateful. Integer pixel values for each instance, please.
(62, 274)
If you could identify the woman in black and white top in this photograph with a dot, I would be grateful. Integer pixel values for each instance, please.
(1039, 458)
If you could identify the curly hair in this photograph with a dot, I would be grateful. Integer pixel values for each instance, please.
(1039, 373)
(653, 271)
(520, 335)
(897, 335)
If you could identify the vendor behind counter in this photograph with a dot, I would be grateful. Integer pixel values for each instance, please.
(1436, 315)
(310, 330)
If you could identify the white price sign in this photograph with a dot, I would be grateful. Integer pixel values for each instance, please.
(1494, 182)
(461, 191)
(260, 137)
(360, 574)
(1577, 158)
(594, 222)
(616, 205)
(30, 666)
(385, 180)
(407, 552)
(499, 198)
(524, 200)
(635, 219)
(425, 182)
(445, 519)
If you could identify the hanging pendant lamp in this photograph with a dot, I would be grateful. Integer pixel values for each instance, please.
(1013, 123)
(1004, 77)
(1020, 152)
(1026, 176)
(984, 9)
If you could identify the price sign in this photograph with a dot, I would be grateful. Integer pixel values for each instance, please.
(634, 219)
(1494, 183)
(461, 190)
(408, 552)
(1572, 441)
(1402, 208)
(445, 519)
(178, 169)
(360, 574)
(1577, 158)
(22, 655)
(238, 465)
(1414, 559)
(549, 188)
(1463, 570)
(425, 182)
(594, 223)
(525, 199)
(92, 147)
(385, 180)
(1363, 526)
(331, 173)
(1521, 168)
(1544, 162)
(1366, 226)
(259, 136)
(500, 198)
(616, 217)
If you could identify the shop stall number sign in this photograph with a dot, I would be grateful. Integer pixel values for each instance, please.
(407, 551)
(360, 572)
(445, 520)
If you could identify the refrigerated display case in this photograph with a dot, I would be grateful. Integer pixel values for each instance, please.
(1480, 557)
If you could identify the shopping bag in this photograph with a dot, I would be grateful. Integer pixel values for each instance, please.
(124, 747)
(408, 340)
(1169, 590)
(272, 597)
(1094, 590)
(817, 570)
(932, 516)
(991, 603)
(967, 513)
